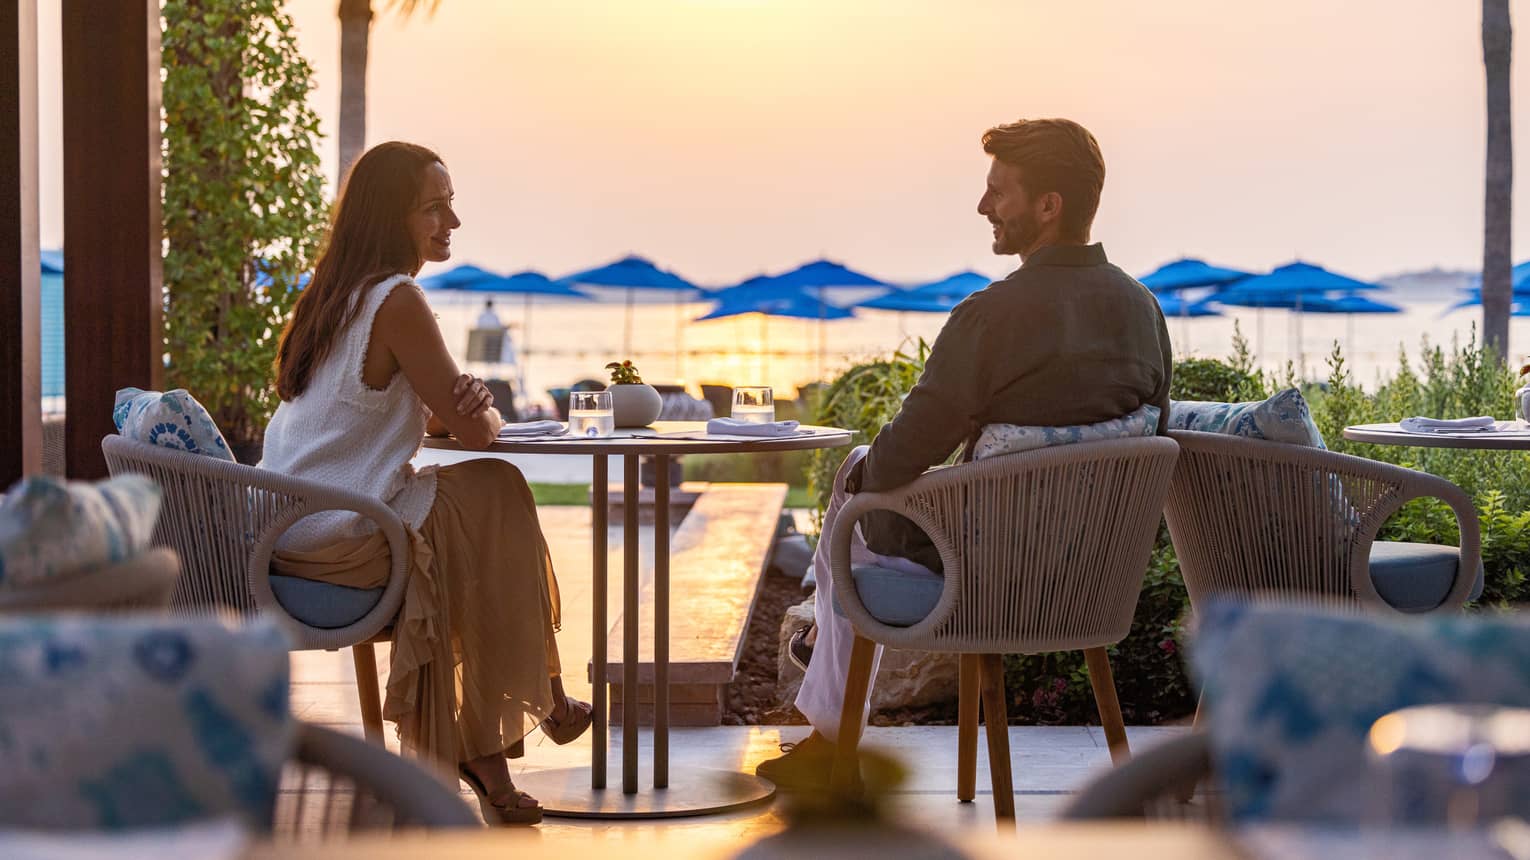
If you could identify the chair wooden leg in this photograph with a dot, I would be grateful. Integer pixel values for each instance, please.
(1104, 685)
(967, 728)
(996, 718)
(846, 760)
(365, 657)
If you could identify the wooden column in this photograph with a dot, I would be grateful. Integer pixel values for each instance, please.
(113, 291)
(20, 314)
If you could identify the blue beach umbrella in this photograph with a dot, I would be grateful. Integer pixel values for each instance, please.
(940, 296)
(466, 277)
(626, 278)
(793, 306)
(824, 283)
(1189, 273)
(1292, 286)
(1289, 286)
(1178, 306)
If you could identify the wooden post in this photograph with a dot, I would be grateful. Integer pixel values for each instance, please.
(113, 289)
(20, 312)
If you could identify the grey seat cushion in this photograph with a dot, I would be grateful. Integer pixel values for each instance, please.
(320, 604)
(896, 598)
(1416, 577)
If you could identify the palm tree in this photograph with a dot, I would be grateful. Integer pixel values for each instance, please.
(1497, 282)
(355, 29)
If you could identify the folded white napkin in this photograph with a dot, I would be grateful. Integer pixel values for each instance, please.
(534, 428)
(1480, 424)
(735, 427)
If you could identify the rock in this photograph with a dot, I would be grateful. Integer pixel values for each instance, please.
(906, 679)
(791, 556)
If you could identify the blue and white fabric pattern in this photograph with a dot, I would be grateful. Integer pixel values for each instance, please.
(119, 723)
(1292, 692)
(51, 528)
(170, 419)
(1284, 417)
(998, 439)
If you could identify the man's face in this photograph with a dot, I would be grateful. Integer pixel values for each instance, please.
(1017, 219)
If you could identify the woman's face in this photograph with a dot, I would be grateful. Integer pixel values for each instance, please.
(432, 220)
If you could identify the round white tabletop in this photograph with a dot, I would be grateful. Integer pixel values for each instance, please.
(664, 437)
(1510, 436)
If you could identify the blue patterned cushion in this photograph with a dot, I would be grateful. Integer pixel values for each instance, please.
(999, 439)
(1282, 418)
(1291, 693)
(117, 723)
(173, 419)
(51, 528)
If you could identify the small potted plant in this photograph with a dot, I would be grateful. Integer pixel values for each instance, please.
(633, 402)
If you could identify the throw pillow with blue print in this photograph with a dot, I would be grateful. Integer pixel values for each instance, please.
(117, 723)
(51, 528)
(170, 419)
(1284, 417)
(1000, 439)
(1292, 691)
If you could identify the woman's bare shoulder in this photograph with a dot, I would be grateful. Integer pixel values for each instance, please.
(405, 308)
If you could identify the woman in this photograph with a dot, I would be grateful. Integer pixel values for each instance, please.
(363, 374)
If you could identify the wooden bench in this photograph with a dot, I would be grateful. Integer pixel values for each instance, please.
(717, 562)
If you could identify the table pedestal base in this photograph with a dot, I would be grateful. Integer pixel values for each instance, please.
(566, 793)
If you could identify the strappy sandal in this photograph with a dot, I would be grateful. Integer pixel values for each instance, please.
(515, 814)
(575, 723)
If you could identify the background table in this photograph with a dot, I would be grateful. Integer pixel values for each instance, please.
(563, 792)
(1393, 434)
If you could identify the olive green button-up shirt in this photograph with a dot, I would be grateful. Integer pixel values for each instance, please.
(1068, 338)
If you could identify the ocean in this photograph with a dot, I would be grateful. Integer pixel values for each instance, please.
(573, 341)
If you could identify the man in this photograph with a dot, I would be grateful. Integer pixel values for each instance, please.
(1065, 339)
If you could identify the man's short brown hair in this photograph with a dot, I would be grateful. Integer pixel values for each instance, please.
(1054, 155)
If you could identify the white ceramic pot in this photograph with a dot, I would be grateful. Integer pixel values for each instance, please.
(635, 405)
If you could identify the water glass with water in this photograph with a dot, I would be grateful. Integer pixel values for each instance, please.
(590, 414)
(1460, 767)
(754, 404)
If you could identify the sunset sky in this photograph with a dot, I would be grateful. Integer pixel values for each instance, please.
(726, 137)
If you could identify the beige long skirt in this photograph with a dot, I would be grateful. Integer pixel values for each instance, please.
(473, 649)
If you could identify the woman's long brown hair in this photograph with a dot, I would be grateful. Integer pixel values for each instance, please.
(368, 241)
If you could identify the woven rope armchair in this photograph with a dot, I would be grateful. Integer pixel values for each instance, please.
(144, 582)
(337, 784)
(1043, 551)
(1249, 516)
(224, 520)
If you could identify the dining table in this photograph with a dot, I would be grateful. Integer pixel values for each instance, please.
(671, 792)
(1504, 436)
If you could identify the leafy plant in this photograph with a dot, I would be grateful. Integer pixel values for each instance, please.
(624, 373)
(244, 205)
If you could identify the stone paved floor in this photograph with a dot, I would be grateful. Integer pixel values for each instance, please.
(1048, 762)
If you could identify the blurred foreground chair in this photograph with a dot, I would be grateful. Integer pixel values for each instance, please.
(143, 582)
(1043, 551)
(224, 519)
(1155, 784)
(337, 784)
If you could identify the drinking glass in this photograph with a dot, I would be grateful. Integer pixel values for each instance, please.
(754, 404)
(1461, 767)
(590, 414)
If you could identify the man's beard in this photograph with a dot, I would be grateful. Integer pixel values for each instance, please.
(1016, 235)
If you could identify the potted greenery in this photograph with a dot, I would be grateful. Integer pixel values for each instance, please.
(633, 402)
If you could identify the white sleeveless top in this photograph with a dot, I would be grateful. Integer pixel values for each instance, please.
(343, 434)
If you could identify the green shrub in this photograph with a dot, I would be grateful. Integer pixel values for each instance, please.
(242, 184)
